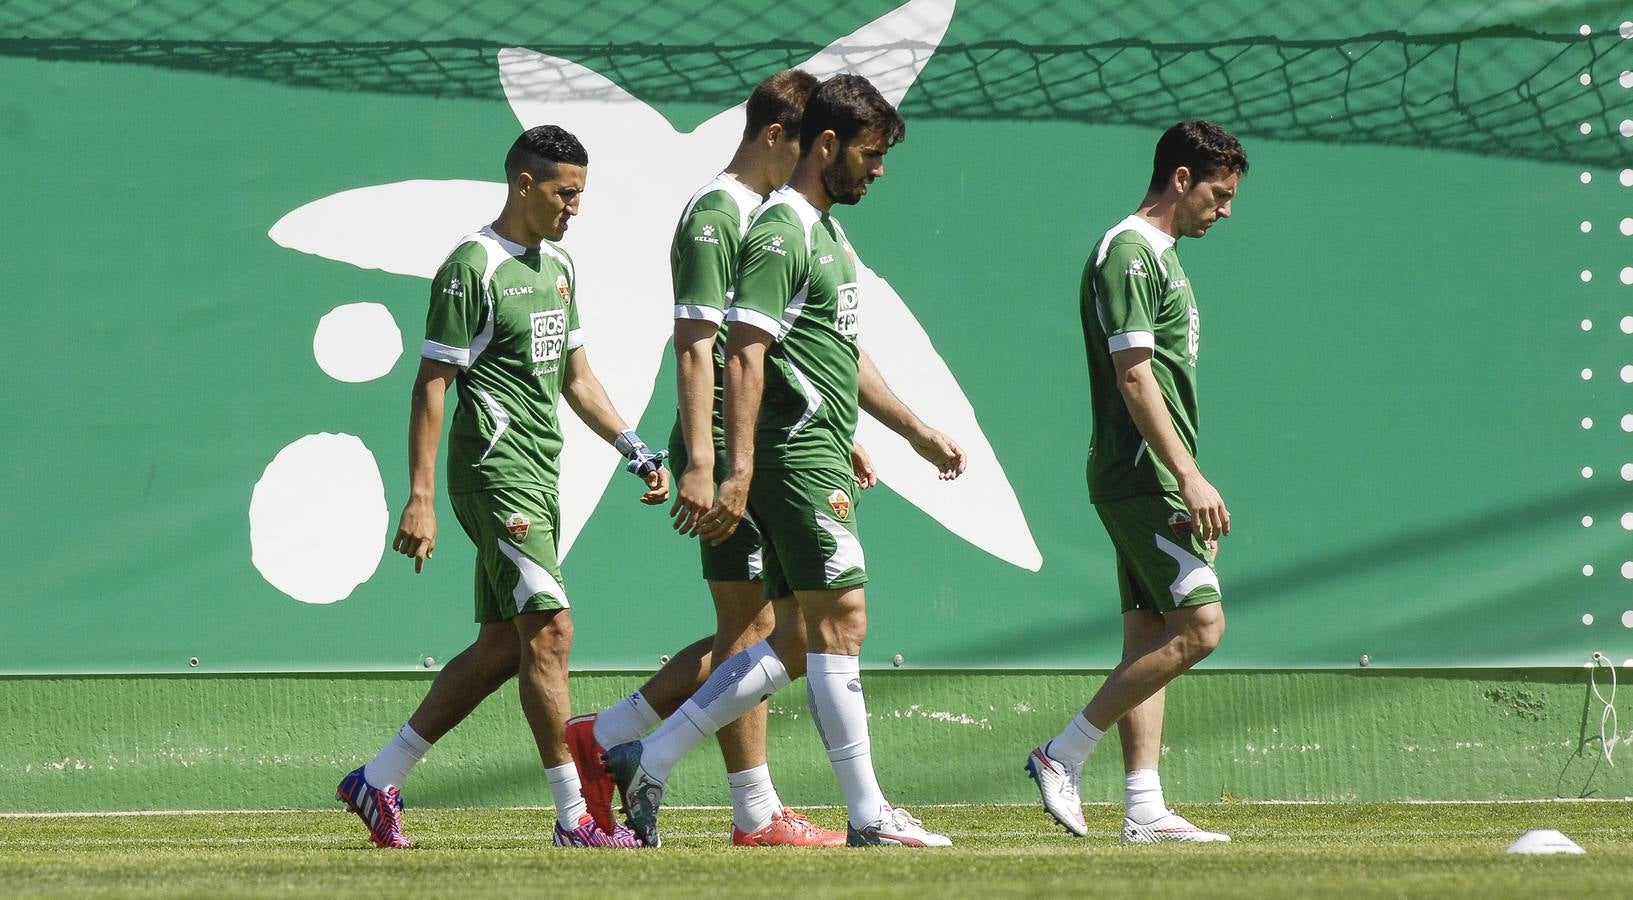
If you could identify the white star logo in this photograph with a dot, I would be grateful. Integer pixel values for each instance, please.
(643, 170)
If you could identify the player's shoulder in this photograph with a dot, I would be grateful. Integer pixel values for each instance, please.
(1132, 238)
(724, 196)
(786, 211)
(471, 252)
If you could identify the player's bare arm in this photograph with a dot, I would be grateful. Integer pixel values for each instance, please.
(417, 529)
(694, 376)
(1150, 412)
(880, 402)
(584, 393)
(746, 348)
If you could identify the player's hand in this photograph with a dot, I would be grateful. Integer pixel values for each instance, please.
(943, 453)
(1209, 516)
(694, 498)
(657, 486)
(862, 467)
(417, 532)
(730, 502)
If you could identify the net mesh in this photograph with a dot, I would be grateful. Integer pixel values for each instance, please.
(1500, 90)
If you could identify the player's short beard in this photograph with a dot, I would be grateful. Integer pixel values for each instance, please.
(840, 189)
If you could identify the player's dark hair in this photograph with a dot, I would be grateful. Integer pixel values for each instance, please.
(540, 149)
(1200, 146)
(779, 100)
(847, 105)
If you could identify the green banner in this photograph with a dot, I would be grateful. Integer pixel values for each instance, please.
(1418, 396)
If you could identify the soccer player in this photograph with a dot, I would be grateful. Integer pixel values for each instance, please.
(703, 263)
(1141, 328)
(794, 379)
(504, 329)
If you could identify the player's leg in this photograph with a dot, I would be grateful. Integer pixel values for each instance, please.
(836, 624)
(464, 682)
(631, 719)
(738, 684)
(1056, 765)
(1140, 731)
(528, 590)
(1163, 567)
(371, 791)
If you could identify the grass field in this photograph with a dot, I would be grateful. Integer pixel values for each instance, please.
(1294, 850)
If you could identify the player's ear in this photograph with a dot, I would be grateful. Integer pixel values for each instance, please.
(1181, 179)
(773, 133)
(523, 183)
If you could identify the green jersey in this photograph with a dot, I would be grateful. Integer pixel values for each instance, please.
(1134, 294)
(702, 266)
(504, 314)
(796, 281)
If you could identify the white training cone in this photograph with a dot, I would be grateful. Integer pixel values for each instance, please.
(1543, 841)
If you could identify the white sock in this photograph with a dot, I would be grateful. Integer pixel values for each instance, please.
(834, 690)
(737, 686)
(1142, 796)
(390, 767)
(1074, 743)
(569, 796)
(753, 799)
(630, 719)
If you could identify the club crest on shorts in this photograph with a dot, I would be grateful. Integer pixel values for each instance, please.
(840, 503)
(1180, 522)
(518, 524)
(564, 289)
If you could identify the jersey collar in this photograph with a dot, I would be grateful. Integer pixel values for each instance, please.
(1159, 240)
(511, 247)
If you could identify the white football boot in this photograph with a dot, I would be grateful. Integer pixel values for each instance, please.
(898, 827)
(1058, 784)
(1170, 826)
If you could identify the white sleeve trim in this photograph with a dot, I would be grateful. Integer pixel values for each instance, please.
(1128, 340)
(699, 313)
(575, 338)
(447, 354)
(756, 319)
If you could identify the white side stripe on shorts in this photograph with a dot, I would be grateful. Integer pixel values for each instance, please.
(1193, 572)
(535, 579)
(847, 549)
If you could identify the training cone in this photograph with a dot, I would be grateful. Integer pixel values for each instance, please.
(1542, 842)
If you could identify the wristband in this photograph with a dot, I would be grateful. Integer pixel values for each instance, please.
(642, 461)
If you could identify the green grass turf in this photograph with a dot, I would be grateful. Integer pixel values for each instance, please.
(1350, 851)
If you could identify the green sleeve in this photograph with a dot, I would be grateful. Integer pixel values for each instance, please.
(458, 314)
(705, 253)
(1126, 293)
(774, 265)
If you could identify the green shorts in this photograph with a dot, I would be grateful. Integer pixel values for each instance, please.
(808, 521)
(1161, 563)
(514, 530)
(739, 558)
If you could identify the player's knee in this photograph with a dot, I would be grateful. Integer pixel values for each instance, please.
(1203, 633)
(550, 638)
